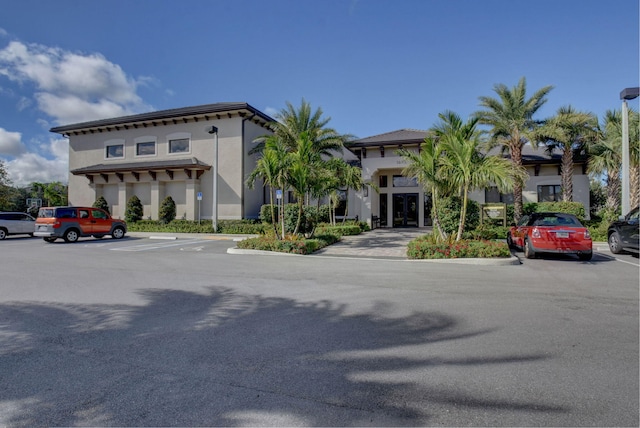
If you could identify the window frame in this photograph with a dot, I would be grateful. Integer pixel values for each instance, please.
(114, 143)
(176, 137)
(146, 140)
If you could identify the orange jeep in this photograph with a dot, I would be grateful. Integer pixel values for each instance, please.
(70, 223)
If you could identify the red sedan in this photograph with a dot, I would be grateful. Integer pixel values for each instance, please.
(551, 233)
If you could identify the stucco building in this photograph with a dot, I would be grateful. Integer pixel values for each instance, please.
(169, 153)
(402, 202)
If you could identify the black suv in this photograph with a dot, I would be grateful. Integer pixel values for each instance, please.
(624, 234)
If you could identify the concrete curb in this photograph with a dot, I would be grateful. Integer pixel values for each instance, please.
(510, 261)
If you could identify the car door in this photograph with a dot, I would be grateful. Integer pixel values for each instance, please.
(630, 229)
(27, 223)
(100, 222)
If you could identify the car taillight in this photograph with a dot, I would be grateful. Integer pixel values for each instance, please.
(587, 235)
(535, 233)
(57, 224)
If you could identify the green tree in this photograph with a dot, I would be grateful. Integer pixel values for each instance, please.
(512, 124)
(424, 167)
(6, 190)
(606, 157)
(271, 168)
(167, 210)
(134, 211)
(571, 131)
(101, 202)
(465, 167)
(634, 157)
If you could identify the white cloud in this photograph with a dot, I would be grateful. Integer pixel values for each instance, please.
(11, 143)
(88, 86)
(29, 167)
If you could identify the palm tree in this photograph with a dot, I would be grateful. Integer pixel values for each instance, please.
(510, 117)
(423, 166)
(272, 169)
(464, 166)
(570, 131)
(606, 156)
(304, 164)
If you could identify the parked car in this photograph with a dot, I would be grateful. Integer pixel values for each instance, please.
(16, 224)
(624, 234)
(550, 232)
(71, 223)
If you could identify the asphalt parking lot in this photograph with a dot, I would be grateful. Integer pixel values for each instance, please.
(140, 332)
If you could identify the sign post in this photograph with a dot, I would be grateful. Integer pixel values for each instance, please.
(199, 200)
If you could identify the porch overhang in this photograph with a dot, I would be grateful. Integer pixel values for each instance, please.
(192, 167)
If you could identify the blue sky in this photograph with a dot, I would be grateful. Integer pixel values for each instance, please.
(373, 66)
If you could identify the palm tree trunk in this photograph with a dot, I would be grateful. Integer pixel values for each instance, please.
(635, 186)
(567, 175)
(274, 222)
(299, 221)
(613, 190)
(463, 213)
(436, 217)
(516, 158)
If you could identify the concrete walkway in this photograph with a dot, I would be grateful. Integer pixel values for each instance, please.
(385, 243)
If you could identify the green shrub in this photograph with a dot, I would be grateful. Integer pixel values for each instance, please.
(449, 213)
(340, 230)
(487, 231)
(242, 227)
(424, 247)
(101, 202)
(167, 210)
(134, 211)
(292, 244)
(575, 208)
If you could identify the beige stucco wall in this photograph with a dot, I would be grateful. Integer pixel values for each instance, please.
(89, 149)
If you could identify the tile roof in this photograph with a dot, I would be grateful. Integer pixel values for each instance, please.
(189, 163)
(393, 137)
(195, 111)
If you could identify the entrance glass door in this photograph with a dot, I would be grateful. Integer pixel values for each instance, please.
(405, 210)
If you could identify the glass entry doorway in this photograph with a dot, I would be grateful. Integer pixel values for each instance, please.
(405, 210)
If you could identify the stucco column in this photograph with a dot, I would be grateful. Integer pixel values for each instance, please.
(124, 190)
(192, 196)
(157, 191)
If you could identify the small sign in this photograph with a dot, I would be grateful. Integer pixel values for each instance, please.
(199, 196)
(278, 194)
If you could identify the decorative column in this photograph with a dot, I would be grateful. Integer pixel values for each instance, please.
(124, 192)
(157, 193)
(192, 186)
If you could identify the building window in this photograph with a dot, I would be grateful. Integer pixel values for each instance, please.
(381, 151)
(550, 193)
(493, 195)
(402, 181)
(179, 146)
(147, 148)
(383, 181)
(114, 151)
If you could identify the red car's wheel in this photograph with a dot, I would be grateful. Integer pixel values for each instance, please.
(529, 252)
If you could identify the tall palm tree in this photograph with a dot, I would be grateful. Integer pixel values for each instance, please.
(464, 166)
(606, 156)
(511, 118)
(272, 169)
(424, 167)
(570, 131)
(304, 165)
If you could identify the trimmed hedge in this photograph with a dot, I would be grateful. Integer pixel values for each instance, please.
(292, 244)
(339, 230)
(424, 248)
(250, 227)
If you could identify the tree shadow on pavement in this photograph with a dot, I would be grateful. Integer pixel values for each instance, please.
(227, 359)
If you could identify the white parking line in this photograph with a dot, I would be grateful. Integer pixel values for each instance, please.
(156, 245)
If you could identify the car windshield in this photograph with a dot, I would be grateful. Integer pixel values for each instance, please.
(557, 220)
(46, 212)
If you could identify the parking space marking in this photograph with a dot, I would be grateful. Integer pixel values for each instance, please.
(157, 245)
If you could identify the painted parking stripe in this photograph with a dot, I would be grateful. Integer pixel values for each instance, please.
(156, 245)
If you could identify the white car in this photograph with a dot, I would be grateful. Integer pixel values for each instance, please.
(16, 224)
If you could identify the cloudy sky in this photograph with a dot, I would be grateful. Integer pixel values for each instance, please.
(373, 66)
